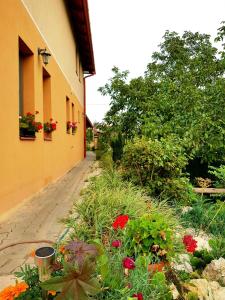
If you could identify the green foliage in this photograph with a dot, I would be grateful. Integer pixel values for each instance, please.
(139, 281)
(150, 235)
(157, 165)
(217, 245)
(106, 197)
(30, 276)
(185, 75)
(106, 160)
(77, 284)
(207, 216)
(219, 173)
(192, 296)
(89, 135)
(159, 286)
(117, 146)
(200, 259)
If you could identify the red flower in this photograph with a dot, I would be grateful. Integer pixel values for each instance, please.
(39, 127)
(190, 243)
(139, 296)
(116, 244)
(120, 222)
(51, 119)
(53, 126)
(128, 263)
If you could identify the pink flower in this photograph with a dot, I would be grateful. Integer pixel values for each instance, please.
(128, 263)
(120, 222)
(116, 244)
(139, 296)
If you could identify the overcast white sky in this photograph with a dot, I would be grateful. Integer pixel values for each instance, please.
(126, 32)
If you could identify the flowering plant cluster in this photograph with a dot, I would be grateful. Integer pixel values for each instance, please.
(28, 126)
(50, 126)
(190, 243)
(72, 125)
(11, 292)
(150, 235)
(128, 263)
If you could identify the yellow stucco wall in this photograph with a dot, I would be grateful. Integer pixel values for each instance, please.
(28, 166)
(51, 18)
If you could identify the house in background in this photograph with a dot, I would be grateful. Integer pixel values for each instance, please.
(31, 33)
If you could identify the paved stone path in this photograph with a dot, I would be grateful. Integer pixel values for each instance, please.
(38, 218)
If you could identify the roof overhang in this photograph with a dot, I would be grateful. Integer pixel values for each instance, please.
(79, 18)
(88, 123)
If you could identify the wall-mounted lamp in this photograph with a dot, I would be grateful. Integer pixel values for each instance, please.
(45, 55)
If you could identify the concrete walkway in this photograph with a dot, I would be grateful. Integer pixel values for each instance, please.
(38, 218)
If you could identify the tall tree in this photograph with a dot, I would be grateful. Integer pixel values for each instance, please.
(181, 93)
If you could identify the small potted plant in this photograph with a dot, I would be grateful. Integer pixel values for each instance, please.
(74, 127)
(28, 126)
(49, 127)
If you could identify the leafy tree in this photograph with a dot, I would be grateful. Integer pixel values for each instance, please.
(182, 93)
(89, 135)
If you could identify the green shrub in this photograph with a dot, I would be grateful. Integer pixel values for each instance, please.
(106, 197)
(207, 216)
(150, 235)
(117, 144)
(157, 165)
(106, 160)
(200, 259)
(219, 173)
(217, 245)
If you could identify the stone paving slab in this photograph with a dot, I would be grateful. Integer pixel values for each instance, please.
(38, 219)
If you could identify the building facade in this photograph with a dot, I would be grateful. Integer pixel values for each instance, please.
(32, 91)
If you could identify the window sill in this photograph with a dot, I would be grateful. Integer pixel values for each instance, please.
(27, 138)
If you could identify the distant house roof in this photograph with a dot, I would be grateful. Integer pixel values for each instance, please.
(79, 18)
(88, 123)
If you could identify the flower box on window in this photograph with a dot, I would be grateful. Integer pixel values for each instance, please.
(28, 126)
(71, 125)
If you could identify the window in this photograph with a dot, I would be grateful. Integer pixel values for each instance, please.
(26, 91)
(68, 121)
(47, 111)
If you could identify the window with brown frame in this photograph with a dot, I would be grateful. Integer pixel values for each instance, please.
(26, 91)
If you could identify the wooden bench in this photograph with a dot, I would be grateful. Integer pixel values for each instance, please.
(209, 190)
